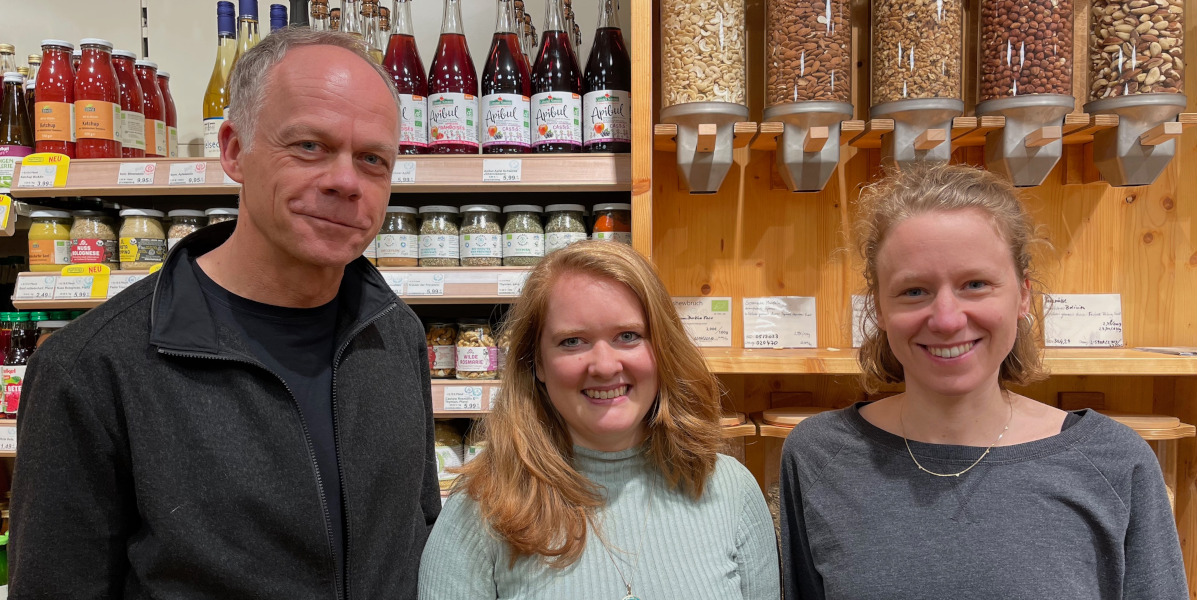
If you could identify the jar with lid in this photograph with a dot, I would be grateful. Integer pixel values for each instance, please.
(564, 226)
(479, 237)
(441, 337)
(448, 446)
(142, 240)
(439, 236)
(612, 222)
(49, 240)
(1137, 47)
(220, 215)
(370, 252)
(94, 239)
(399, 239)
(97, 102)
(524, 238)
(502, 343)
(475, 356)
(183, 223)
(47, 326)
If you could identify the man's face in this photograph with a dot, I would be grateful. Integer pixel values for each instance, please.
(317, 179)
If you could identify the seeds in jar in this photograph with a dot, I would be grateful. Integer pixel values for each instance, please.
(564, 226)
(476, 352)
(220, 215)
(916, 50)
(94, 239)
(1027, 48)
(439, 236)
(524, 238)
(440, 339)
(703, 51)
(399, 238)
(1137, 47)
(479, 238)
(808, 51)
(183, 224)
(143, 242)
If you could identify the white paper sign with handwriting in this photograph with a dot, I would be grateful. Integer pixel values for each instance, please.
(708, 320)
(1083, 320)
(779, 322)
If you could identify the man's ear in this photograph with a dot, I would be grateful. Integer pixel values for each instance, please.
(231, 151)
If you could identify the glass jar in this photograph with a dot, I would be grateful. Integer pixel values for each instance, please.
(612, 222)
(502, 343)
(184, 223)
(220, 215)
(916, 51)
(94, 239)
(475, 356)
(399, 238)
(448, 446)
(1137, 47)
(370, 252)
(439, 236)
(49, 240)
(524, 238)
(1025, 48)
(143, 241)
(703, 52)
(808, 51)
(47, 327)
(479, 237)
(441, 338)
(564, 226)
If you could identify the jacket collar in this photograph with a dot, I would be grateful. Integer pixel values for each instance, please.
(180, 319)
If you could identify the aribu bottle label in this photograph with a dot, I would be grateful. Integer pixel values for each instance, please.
(55, 121)
(396, 245)
(212, 146)
(414, 115)
(606, 117)
(556, 118)
(97, 120)
(452, 119)
(505, 120)
(135, 130)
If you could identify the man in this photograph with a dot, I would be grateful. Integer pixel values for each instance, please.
(255, 420)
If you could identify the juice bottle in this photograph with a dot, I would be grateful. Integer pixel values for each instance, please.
(408, 74)
(557, 88)
(606, 86)
(505, 88)
(156, 122)
(133, 122)
(54, 127)
(35, 63)
(97, 102)
(76, 58)
(16, 137)
(164, 87)
(453, 90)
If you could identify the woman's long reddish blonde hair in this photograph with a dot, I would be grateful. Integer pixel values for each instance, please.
(524, 482)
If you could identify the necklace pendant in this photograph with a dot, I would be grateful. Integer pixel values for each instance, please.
(630, 597)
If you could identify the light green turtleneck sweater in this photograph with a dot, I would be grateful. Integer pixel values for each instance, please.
(720, 547)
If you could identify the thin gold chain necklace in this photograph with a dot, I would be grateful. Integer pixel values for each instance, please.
(977, 461)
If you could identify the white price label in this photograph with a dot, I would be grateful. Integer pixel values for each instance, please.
(405, 171)
(501, 170)
(425, 284)
(118, 283)
(188, 173)
(136, 174)
(493, 393)
(395, 281)
(8, 438)
(74, 288)
(779, 322)
(37, 287)
(38, 176)
(511, 284)
(463, 397)
(708, 320)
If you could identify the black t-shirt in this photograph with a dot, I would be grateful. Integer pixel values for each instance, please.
(296, 344)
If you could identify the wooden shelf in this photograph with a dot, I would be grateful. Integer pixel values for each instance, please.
(540, 173)
(664, 135)
(734, 431)
(768, 430)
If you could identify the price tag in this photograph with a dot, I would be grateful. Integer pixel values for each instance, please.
(501, 170)
(38, 177)
(463, 397)
(136, 174)
(118, 283)
(395, 281)
(8, 220)
(8, 438)
(405, 171)
(859, 326)
(425, 284)
(44, 170)
(74, 288)
(511, 284)
(188, 173)
(493, 393)
(708, 320)
(96, 275)
(35, 287)
(779, 322)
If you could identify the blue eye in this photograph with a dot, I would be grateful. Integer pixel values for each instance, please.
(308, 146)
(570, 342)
(629, 337)
(912, 292)
(374, 159)
(976, 285)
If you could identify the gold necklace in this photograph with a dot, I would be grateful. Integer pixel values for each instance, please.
(977, 461)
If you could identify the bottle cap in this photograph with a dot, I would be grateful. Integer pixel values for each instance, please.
(481, 208)
(184, 212)
(124, 54)
(145, 62)
(50, 214)
(96, 42)
(612, 206)
(58, 44)
(522, 208)
(437, 208)
(226, 23)
(248, 9)
(402, 209)
(34, 59)
(221, 211)
(142, 212)
(7, 49)
(11, 77)
(164, 74)
(564, 207)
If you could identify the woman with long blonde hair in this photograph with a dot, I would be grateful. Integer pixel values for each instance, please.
(601, 477)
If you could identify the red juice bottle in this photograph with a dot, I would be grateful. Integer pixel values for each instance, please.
(557, 100)
(153, 108)
(453, 90)
(606, 86)
(133, 122)
(408, 74)
(97, 102)
(54, 111)
(505, 87)
(169, 114)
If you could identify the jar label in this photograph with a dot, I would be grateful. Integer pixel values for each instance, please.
(524, 244)
(49, 252)
(370, 251)
(624, 237)
(97, 120)
(396, 245)
(479, 245)
(606, 117)
(476, 359)
(212, 145)
(14, 376)
(173, 142)
(556, 118)
(54, 122)
(135, 130)
(439, 246)
(441, 357)
(414, 130)
(506, 120)
(143, 249)
(92, 250)
(448, 457)
(156, 137)
(558, 241)
(452, 119)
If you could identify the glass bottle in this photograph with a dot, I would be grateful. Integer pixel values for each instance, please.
(531, 41)
(408, 74)
(519, 27)
(557, 88)
(319, 15)
(20, 347)
(247, 35)
(352, 17)
(299, 13)
(505, 88)
(35, 64)
(97, 102)
(370, 31)
(453, 89)
(76, 58)
(16, 137)
(335, 19)
(133, 102)
(152, 105)
(164, 87)
(572, 28)
(279, 17)
(54, 125)
(606, 86)
(8, 58)
(385, 28)
(216, 95)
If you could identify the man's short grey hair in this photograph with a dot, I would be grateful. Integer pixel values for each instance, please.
(248, 80)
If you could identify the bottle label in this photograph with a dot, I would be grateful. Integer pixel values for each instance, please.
(173, 142)
(135, 130)
(370, 252)
(14, 376)
(558, 241)
(96, 120)
(143, 249)
(556, 118)
(479, 245)
(475, 359)
(506, 120)
(414, 125)
(606, 117)
(524, 244)
(50, 252)
(448, 457)
(15, 150)
(453, 120)
(441, 357)
(54, 122)
(397, 245)
(156, 137)
(439, 246)
(624, 237)
(212, 144)
(91, 250)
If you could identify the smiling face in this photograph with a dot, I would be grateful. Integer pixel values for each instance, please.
(949, 300)
(317, 180)
(596, 361)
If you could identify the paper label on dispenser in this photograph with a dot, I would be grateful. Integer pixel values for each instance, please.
(556, 118)
(606, 117)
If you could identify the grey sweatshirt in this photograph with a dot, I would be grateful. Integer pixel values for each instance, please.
(1082, 514)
